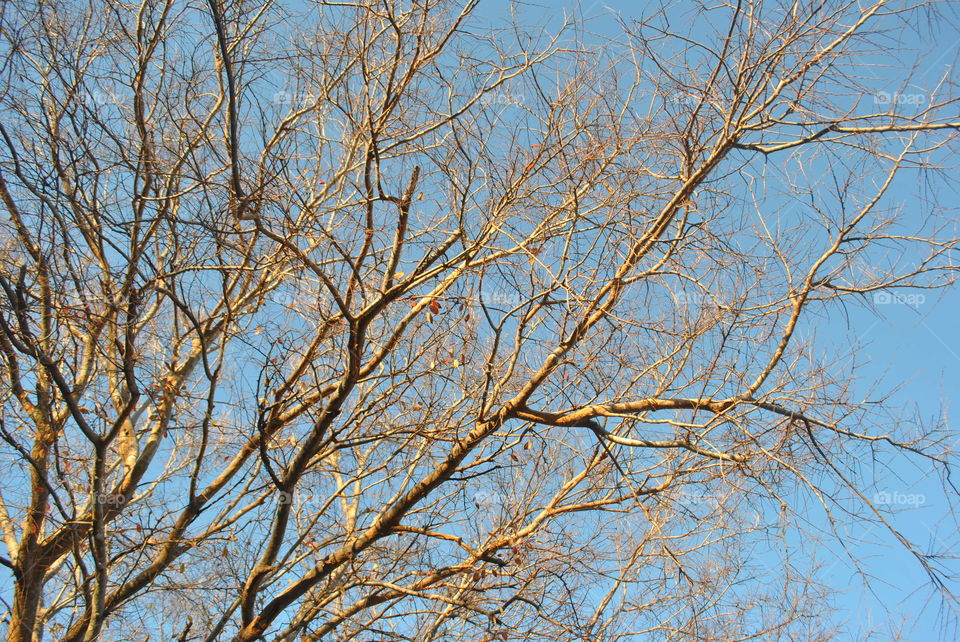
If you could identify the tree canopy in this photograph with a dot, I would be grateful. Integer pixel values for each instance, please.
(391, 321)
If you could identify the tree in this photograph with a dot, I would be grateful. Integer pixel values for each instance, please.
(370, 320)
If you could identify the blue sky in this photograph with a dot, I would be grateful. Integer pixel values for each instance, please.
(908, 348)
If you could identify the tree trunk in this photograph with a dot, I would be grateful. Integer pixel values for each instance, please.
(26, 602)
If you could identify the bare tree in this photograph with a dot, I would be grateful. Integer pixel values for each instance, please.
(368, 320)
